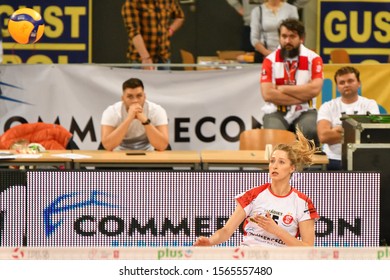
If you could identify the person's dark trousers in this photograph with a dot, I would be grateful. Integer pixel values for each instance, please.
(307, 123)
(334, 165)
(246, 44)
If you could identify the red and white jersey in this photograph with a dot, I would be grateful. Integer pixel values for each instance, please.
(287, 211)
(305, 68)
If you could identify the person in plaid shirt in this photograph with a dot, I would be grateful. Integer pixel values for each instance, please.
(150, 24)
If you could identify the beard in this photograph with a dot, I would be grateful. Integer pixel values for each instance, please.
(289, 53)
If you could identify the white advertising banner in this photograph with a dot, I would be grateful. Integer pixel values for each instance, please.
(206, 109)
(12, 214)
(154, 209)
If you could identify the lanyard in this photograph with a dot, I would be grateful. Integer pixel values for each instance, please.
(291, 71)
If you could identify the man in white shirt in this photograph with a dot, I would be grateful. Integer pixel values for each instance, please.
(329, 128)
(134, 123)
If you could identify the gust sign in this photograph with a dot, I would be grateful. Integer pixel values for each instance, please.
(362, 27)
(67, 35)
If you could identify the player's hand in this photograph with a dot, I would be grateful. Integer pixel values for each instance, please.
(266, 222)
(202, 241)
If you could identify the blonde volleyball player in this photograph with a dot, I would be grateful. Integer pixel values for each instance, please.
(274, 214)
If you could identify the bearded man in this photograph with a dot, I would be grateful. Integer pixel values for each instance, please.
(291, 79)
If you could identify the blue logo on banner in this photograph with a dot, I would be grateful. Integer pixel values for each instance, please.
(8, 98)
(57, 206)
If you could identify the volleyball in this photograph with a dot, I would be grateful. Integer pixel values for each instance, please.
(26, 26)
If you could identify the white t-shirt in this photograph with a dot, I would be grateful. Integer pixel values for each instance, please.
(332, 112)
(287, 211)
(135, 138)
